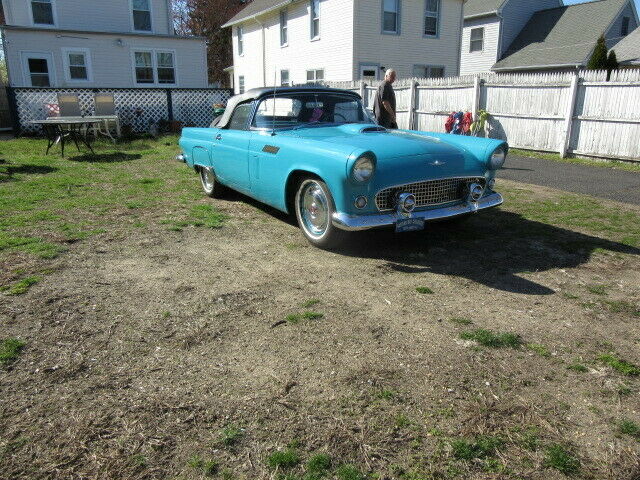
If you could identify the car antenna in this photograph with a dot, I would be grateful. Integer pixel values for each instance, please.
(273, 119)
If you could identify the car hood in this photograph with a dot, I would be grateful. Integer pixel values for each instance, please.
(384, 143)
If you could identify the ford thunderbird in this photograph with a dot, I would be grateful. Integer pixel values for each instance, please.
(315, 152)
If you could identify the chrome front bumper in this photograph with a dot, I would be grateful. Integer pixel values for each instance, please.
(354, 223)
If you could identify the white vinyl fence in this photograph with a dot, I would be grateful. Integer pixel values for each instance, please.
(580, 113)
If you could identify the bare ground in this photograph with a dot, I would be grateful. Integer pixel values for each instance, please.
(144, 345)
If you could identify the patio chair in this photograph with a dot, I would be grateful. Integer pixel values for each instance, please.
(69, 105)
(105, 106)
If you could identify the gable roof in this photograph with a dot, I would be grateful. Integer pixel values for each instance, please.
(628, 49)
(560, 37)
(480, 8)
(255, 9)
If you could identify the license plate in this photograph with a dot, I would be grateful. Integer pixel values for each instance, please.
(409, 225)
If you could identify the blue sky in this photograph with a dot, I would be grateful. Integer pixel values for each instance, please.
(570, 2)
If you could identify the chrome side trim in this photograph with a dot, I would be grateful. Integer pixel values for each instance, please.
(354, 223)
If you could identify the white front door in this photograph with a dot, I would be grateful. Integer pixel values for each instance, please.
(38, 69)
(369, 72)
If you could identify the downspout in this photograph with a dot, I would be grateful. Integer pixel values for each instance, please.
(264, 54)
(170, 30)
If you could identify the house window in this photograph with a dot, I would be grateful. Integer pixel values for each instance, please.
(241, 84)
(428, 71)
(315, 76)
(477, 40)
(77, 63)
(39, 72)
(141, 15)
(315, 18)
(240, 40)
(42, 11)
(166, 68)
(284, 19)
(155, 67)
(624, 29)
(144, 67)
(432, 18)
(390, 16)
(284, 78)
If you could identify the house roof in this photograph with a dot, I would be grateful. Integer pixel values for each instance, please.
(628, 49)
(480, 8)
(560, 37)
(255, 9)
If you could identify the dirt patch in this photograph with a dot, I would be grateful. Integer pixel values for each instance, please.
(143, 345)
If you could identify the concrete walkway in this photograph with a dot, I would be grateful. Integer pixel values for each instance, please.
(619, 185)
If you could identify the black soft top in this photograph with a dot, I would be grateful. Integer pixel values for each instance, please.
(259, 93)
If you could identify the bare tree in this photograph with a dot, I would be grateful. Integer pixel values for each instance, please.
(205, 18)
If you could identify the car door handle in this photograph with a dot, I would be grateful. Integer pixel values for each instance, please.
(218, 137)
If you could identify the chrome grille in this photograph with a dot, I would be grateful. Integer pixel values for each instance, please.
(432, 192)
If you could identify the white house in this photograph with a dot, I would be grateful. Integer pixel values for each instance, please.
(99, 43)
(540, 35)
(489, 28)
(287, 42)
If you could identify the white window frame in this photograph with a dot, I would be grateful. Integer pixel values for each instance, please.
(397, 12)
(240, 40)
(24, 60)
(284, 27)
(44, 25)
(311, 20)
(288, 82)
(428, 13)
(154, 65)
(471, 40)
(67, 66)
(133, 24)
(315, 75)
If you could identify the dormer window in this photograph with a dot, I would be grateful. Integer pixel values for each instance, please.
(141, 15)
(624, 28)
(42, 11)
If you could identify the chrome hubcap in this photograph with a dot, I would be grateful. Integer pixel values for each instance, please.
(207, 178)
(314, 209)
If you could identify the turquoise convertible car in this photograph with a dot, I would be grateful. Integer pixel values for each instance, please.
(316, 152)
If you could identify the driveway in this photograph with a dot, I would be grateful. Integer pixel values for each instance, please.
(619, 185)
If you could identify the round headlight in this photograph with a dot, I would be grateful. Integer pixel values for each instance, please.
(498, 157)
(363, 169)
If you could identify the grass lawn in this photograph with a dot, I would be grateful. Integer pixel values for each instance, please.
(150, 332)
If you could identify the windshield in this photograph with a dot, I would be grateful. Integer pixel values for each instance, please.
(308, 110)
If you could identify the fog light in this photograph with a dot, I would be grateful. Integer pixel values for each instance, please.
(475, 192)
(361, 202)
(406, 202)
(181, 158)
(491, 183)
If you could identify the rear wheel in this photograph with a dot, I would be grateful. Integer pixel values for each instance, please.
(314, 211)
(210, 184)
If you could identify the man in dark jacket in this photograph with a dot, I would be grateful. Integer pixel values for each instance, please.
(384, 106)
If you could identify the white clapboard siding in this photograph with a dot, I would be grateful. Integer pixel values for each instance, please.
(531, 111)
(91, 15)
(480, 61)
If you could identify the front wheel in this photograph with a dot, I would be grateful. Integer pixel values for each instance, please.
(314, 211)
(210, 184)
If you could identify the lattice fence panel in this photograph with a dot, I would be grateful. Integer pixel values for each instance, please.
(136, 107)
(195, 107)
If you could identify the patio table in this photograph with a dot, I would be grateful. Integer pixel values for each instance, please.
(57, 128)
(104, 119)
